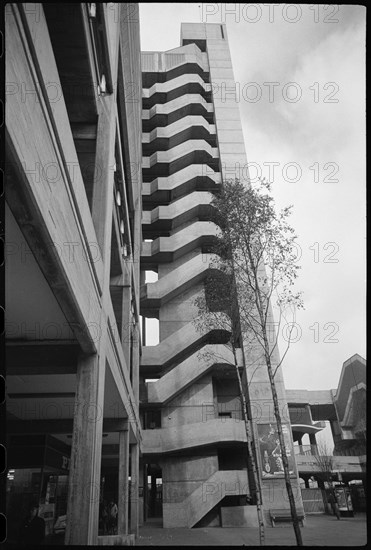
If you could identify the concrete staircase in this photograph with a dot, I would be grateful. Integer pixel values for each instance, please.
(195, 177)
(182, 130)
(209, 493)
(168, 249)
(154, 295)
(166, 88)
(180, 171)
(168, 113)
(190, 370)
(194, 205)
(173, 64)
(178, 346)
(197, 147)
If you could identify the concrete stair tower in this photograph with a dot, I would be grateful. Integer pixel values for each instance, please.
(192, 141)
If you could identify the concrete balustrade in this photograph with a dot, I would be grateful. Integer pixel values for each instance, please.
(167, 249)
(165, 62)
(345, 464)
(180, 211)
(190, 370)
(175, 83)
(178, 346)
(187, 122)
(153, 295)
(175, 104)
(176, 153)
(197, 176)
(198, 434)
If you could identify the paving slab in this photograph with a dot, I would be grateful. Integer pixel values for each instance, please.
(319, 530)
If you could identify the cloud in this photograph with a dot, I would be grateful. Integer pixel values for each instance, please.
(326, 140)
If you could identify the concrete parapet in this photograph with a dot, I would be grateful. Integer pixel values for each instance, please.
(176, 347)
(188, 372)
(187, 436)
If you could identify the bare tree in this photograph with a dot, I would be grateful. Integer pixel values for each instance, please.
(256, 253)
(324, 461)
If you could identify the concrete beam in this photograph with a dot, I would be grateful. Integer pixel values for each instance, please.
(59, 426)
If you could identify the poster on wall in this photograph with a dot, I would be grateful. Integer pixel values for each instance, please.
(343, 499)
(270, 451)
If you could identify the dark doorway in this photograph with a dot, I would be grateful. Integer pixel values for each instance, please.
(154, 491)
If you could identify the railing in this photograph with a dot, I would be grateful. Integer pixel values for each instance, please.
(310, 450)
(306, 450)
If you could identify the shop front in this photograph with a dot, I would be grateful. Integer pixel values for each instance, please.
(344, 501)
(38, 473)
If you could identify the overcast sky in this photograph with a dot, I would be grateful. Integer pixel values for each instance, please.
(322, 52)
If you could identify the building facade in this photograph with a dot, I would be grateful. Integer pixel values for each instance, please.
(344, 408)
(193, 431)
(73, 220)
(112, 159)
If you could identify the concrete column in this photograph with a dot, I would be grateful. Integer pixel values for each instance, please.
(134, 470)
(123, 488)
(145, 493)
(153, 495)
(142, 279)
(312, 439)
(137, 246)
(126, 323)
(135, 360)
(84, 476)
(102, 203)
(141, 499)
(144, 331)
(336, 431)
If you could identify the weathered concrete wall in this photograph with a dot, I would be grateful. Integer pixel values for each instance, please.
(183, 475)
(179, 312)
(239, 516)
(227, 397)
(189, 406)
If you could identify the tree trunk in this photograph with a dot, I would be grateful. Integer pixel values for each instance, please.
(258, 496)
(259, 304)
(285, 461)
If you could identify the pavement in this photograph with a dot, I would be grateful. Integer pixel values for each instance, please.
(318, 530)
